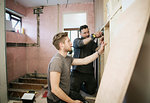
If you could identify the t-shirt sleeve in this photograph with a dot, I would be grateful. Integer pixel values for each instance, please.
(78, 43)
(71, 59)
(56, 65)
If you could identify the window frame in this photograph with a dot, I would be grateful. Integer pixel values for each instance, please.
(13, 18)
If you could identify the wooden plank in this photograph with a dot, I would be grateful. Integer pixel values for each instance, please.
(123, 53)
(36, 75)
(15, 94)
(33, 80)
(22, 90)
(26, 86)
(106, 40)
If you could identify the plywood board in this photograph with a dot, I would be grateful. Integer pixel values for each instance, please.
(123, 53)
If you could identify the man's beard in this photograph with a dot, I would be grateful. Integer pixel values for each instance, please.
(86, 36)
(70, 52)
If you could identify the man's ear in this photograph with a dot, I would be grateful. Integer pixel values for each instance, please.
(61, 45)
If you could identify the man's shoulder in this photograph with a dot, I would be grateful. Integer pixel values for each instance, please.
(55, 58)
(77, 39)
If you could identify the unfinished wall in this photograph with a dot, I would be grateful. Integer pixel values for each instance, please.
(98, 10)
(16, 56)
(21, 60)
(139, 87)
(39, 57)
(15, 6)
(99, 22)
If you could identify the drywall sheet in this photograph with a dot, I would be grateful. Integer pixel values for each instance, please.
(123, 53)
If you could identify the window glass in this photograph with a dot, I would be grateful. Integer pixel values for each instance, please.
(18, 27)
(74, 20)
(15, 21)
(7, 16)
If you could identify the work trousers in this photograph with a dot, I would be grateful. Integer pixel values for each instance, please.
(83, 81)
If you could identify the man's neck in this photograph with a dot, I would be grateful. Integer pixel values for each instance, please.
(64, 54)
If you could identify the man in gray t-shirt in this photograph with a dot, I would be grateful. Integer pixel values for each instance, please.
(62, 65)
(59, 71)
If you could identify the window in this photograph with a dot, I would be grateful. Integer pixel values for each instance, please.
(15, 20)
(72, 23)
(73, 33)
(74, 20)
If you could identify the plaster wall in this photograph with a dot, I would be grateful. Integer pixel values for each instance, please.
(38, 57)
(15, 6)
(22, 60)
(16, 56)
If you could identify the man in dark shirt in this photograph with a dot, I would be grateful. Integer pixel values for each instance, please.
(82, 76)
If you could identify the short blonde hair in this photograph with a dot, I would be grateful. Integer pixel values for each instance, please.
(58, 38)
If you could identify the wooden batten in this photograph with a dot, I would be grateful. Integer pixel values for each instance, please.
(30, 86)
(33, 80)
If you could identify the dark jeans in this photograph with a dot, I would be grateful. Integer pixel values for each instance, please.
(73, 95)
(83, 81)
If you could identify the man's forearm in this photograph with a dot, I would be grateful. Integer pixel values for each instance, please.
(62, 95)
(87, 40)
(90, 58)
(85, 60)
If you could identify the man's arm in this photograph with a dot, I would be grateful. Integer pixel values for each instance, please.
(87, 40)
(80, 43)
(90, 58)
(85, 60)
(55, 80)
(101, 40)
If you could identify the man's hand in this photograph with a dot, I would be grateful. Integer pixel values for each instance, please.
(101, 39)
(101, 50)
(98, 34)
(77, 101)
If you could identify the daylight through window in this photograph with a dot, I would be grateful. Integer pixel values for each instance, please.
(15, 20)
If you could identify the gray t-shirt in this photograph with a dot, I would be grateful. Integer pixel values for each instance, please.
(62, 65)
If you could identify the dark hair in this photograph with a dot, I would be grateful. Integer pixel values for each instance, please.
(83, 27)
(59, 38)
